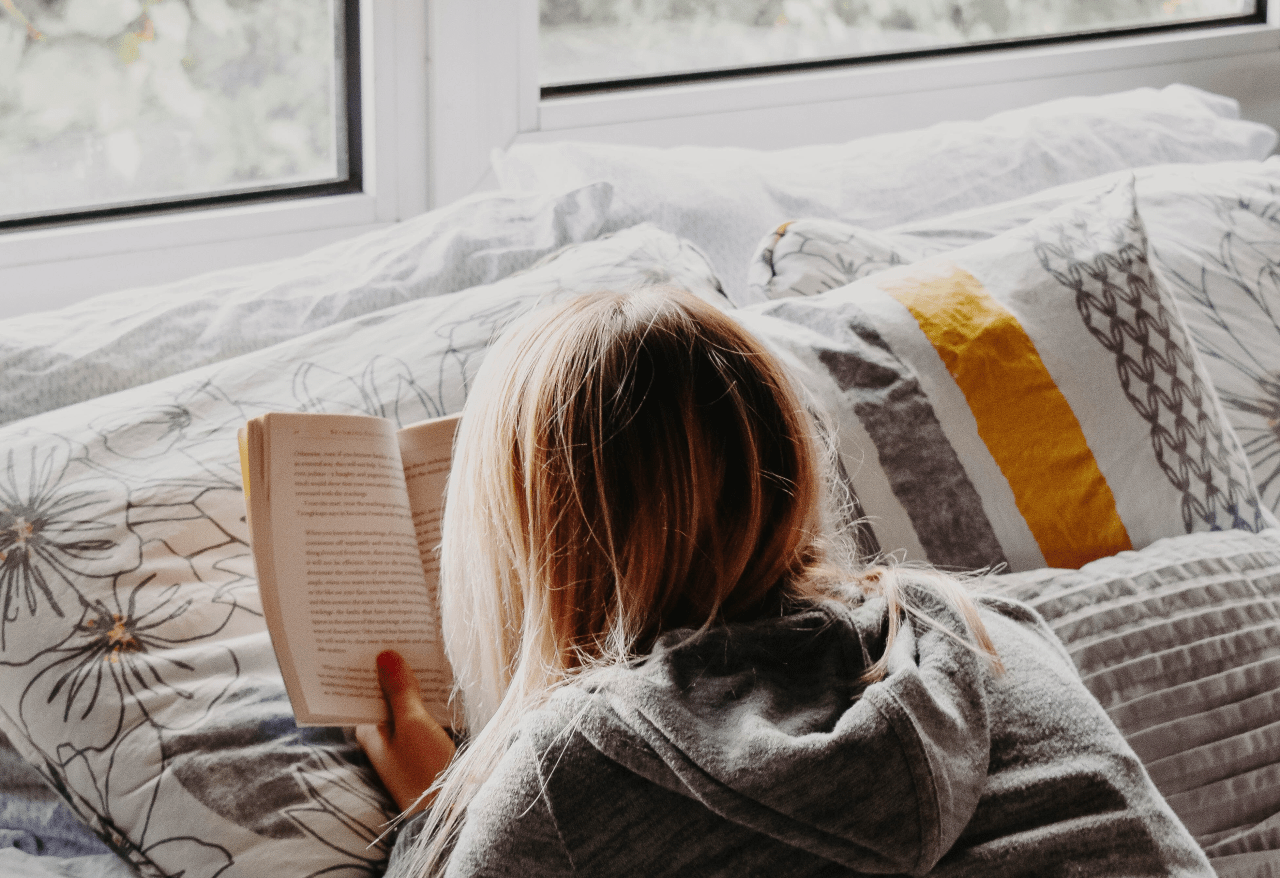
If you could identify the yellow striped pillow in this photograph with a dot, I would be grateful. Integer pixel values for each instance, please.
(1032, 400)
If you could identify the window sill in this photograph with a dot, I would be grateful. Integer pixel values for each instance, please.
(51, 267)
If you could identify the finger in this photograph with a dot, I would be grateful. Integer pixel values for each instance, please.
(399, 685)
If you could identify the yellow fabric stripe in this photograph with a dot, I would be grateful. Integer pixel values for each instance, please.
(1022, 416)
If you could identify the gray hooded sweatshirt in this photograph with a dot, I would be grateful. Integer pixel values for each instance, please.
(753, 749)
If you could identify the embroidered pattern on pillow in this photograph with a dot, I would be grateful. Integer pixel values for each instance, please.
(1118, 299)
(1034, 399)
(1214, 235)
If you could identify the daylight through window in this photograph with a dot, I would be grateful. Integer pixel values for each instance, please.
(597, 41)
(108, 104)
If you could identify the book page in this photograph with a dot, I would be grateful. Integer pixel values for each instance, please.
(426, 452)
(348, 579)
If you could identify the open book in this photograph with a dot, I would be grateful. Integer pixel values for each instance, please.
(344, 518)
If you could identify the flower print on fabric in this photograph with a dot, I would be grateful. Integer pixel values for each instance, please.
(331, 812)
(139, 655)
(1235, 318)
(1119, 300)
(129, 803)
(386, 389)
(185, 436)
(208, 531)
(60, 525)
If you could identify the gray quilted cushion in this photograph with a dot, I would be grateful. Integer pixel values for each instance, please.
(1181, 643)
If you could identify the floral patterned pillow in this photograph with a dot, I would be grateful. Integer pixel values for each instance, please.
(135, 669)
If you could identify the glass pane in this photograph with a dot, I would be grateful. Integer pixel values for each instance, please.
(600, 40)
(105, 103)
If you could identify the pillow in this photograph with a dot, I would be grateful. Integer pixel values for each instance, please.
(1215, 242)
(724, 199)
(1032, 400)
(54, 358)
(35, 822)
(136, 672)
(1181, 643)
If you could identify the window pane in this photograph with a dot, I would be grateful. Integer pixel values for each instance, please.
(105, 103)
(601, 40)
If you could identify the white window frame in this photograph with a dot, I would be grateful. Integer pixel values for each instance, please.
(484, 93)
(48, 267)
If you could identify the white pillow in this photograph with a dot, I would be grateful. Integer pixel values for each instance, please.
(724, 199)
(1215, 243)
(120, 340)
(135, 669)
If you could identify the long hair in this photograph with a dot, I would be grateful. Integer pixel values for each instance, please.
(627, 464)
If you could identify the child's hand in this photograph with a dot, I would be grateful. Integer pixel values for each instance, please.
(411, 749)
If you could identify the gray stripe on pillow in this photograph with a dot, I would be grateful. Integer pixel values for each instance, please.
(923, 470)
(1216, 698)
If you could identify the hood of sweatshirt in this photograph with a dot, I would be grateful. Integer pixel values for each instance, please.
(767, 724)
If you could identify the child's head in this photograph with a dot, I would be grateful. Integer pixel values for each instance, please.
(628, 464)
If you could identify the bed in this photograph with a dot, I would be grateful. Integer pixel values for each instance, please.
(1046, 344)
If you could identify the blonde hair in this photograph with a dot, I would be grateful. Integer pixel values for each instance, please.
(628, 464)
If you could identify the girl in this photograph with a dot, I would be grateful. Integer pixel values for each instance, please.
(671, 664)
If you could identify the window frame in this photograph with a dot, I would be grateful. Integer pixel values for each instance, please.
(46, 266)
(349, 144)
(832, 104)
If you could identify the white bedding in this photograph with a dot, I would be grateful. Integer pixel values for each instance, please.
(111, 342)
(725, 199)
(135, 668)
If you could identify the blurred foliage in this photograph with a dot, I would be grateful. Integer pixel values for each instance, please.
(584, 40)
(106, 101)
(996, 17)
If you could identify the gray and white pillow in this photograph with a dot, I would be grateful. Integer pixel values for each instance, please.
(1030, 400)
(1214, 234)
(1180, 642)
(110, 342)
(136, 673)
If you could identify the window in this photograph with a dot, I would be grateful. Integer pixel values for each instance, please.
(493, 75)
(107, 106)
(442, 83)
(57, 260)
(601, 42)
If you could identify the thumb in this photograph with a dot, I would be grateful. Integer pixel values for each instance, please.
(399, 686)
